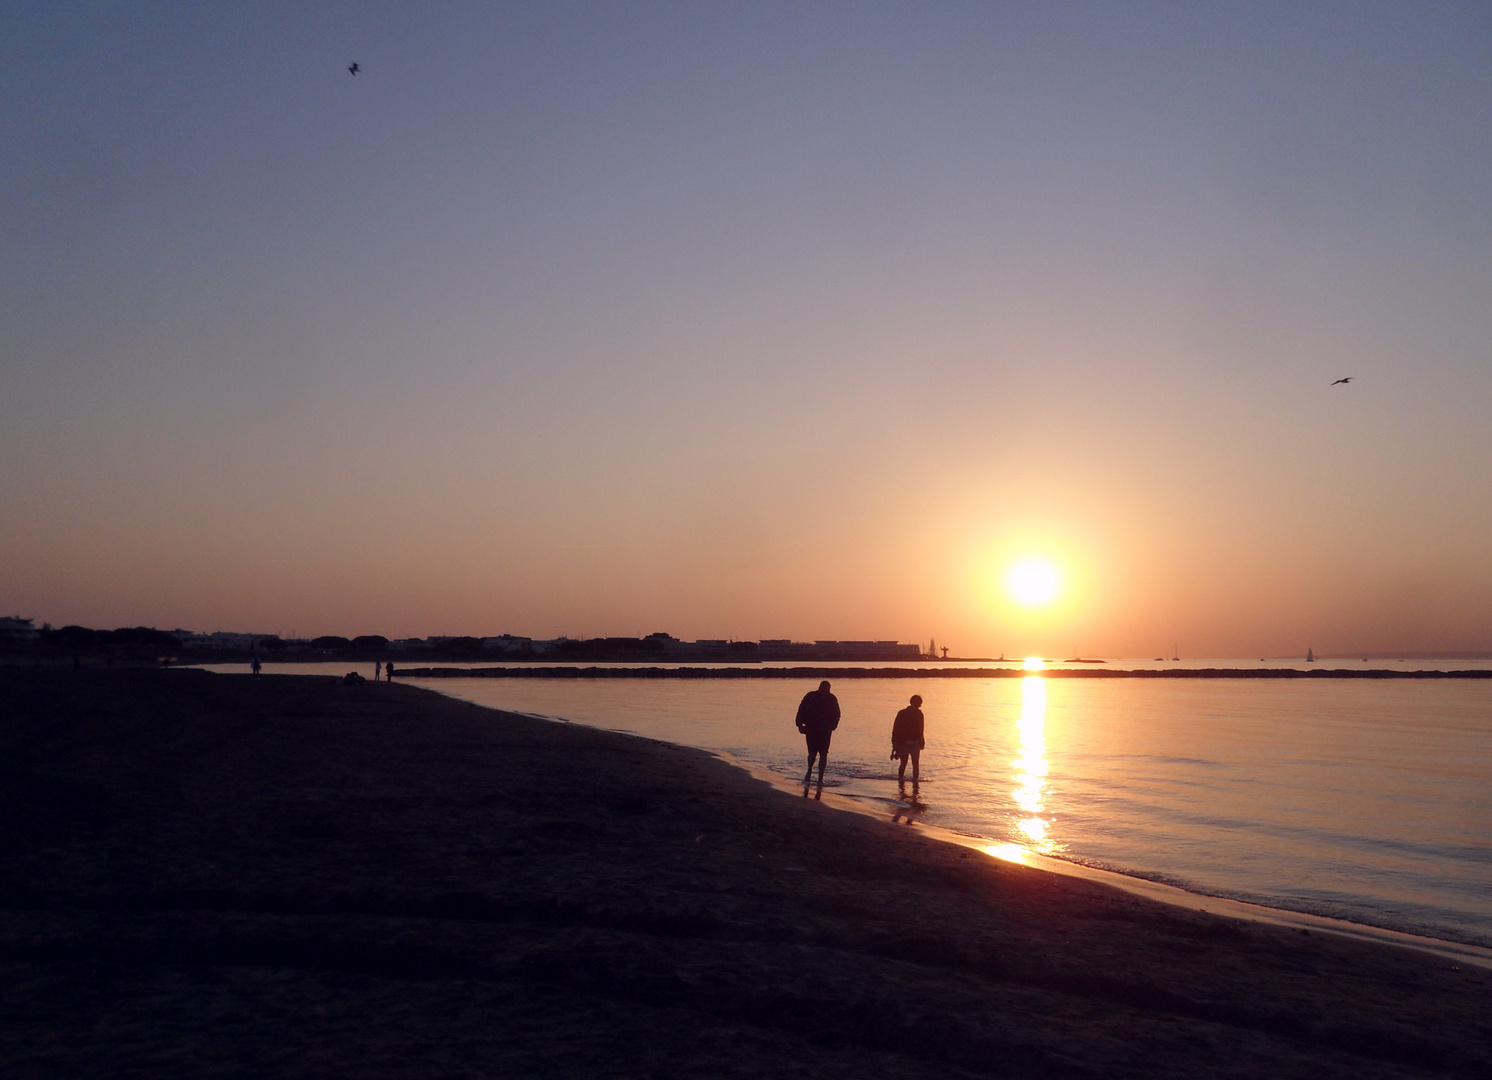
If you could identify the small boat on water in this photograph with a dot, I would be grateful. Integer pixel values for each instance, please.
(1310, 656)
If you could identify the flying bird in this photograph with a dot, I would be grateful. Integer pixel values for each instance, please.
(1348, 379)
(354, 67)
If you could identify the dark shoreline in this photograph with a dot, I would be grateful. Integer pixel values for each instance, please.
(571, 672)
(286, 876)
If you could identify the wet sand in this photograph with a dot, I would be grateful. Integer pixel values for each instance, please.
(205, 874)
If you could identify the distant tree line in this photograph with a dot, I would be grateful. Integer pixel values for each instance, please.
(81, 638)
(363, 643)
(143, 642)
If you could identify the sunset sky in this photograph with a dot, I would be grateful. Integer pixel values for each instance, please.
(752, 320)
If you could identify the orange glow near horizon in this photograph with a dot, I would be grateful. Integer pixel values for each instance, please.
(773, 365)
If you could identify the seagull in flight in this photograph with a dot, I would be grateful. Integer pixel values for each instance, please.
(354, 67)
(1348, 379)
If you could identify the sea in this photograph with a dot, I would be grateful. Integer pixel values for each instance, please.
(1364, 800)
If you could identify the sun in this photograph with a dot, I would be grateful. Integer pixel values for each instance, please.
(1034, 582)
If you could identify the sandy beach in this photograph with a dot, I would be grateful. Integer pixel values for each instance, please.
(222, 875)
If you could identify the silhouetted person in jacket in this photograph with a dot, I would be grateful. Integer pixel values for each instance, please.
(818, 716)
(907, 741)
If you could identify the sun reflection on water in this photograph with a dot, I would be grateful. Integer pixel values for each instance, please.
(1033, 827)
(1009, 852)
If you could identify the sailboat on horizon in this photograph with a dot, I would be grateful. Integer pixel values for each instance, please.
(1310, 656)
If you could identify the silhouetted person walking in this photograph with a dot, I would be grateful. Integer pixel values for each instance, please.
(254, 664)
(818, 716)
(907, 741)
(389, 667)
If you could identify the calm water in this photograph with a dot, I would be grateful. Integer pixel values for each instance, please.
(1246, 664)
(1367, 801)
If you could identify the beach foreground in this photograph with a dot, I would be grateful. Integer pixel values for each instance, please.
(204, 874)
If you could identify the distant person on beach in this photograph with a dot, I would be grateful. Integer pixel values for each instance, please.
(254, 664)
(390, 668)
(907, 741)
(818, 716)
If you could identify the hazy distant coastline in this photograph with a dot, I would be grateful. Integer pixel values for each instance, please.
(21, 638)
(21, 641)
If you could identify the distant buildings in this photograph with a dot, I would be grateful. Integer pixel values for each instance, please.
(508, 643)
(656, 647)
(867, 650)
(220, 641)
(17, 630)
